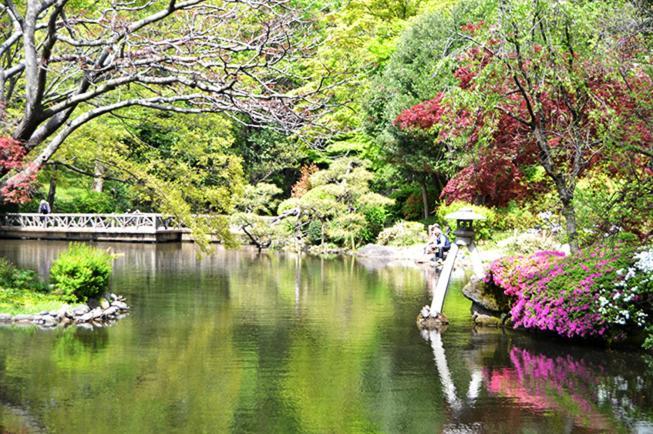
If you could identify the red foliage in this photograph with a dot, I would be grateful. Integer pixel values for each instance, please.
(423, 115)
(472, 61)
(19, 188)
(464, 76)
(472, 27)
(496, 175)
(304, 183)
(11, 154)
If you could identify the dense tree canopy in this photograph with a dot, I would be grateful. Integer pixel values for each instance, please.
(65, 64)
(184, 107)
(543, 84)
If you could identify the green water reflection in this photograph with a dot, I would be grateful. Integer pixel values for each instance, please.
(237, 342)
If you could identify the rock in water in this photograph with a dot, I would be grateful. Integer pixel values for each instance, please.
(121, 305)
(81, 310)
(485, 318)
(487, 296)
(434, 320)
(104, 303)
(49, 321)
(96, 313)
(61, 313)
(111, 311)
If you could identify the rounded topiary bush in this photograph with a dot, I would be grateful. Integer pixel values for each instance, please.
(81, 272)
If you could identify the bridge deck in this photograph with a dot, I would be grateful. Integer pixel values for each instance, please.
(135, 227)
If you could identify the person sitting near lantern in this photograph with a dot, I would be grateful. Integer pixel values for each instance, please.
(438, 242)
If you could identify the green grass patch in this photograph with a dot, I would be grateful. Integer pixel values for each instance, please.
(24, 301)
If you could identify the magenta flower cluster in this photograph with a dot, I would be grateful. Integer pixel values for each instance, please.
(556, 293)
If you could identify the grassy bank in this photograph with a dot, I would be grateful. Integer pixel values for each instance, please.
(78, 274)
(14, 301)
(23, 292)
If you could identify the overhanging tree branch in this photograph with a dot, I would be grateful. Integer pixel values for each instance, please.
(78, 66)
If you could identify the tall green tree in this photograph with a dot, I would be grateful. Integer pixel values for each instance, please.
(416, 71)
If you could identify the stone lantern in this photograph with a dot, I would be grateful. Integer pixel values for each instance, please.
(465, 235)
(431, 316)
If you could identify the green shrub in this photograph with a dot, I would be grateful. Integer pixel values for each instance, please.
(517, 217)
(314, 232)
(408, 203)
(483, 228)
(375, 217)
(403, 234)
(16, 278)
(529, 242)
(606, 205)
(81, 272)
(75, 200)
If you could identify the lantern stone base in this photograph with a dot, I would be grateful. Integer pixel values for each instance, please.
(431, 320)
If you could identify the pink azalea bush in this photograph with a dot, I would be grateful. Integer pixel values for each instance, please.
(586, 295)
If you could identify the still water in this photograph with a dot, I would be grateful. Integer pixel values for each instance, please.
(237, 342)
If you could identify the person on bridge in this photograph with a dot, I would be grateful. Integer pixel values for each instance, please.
(44, 209)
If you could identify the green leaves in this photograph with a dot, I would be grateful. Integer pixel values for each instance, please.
(339, 205)
(403, 233)
(81, 272)
(17, 278)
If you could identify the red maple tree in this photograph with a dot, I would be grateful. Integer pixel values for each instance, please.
(522, 100)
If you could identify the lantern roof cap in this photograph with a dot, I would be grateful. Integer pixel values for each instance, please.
(464, 214)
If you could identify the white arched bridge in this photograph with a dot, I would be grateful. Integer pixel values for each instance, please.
(135, 227)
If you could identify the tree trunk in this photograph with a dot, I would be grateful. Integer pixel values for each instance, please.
(569, 212)
(425, 200)
(565, 186)
(53, 189)
(98, 179)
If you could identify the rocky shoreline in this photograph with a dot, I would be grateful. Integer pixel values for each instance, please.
(490, 306)
(95, 313)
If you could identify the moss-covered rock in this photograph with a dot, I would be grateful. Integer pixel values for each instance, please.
(489, 297)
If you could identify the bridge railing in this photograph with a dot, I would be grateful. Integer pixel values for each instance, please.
(96, 222)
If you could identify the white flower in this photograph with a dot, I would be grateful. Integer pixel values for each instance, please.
(630, 274)
(645, 261)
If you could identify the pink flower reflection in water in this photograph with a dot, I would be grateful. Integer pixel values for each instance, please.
(543, 384)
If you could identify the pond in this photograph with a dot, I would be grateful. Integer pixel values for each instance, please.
(240, 342)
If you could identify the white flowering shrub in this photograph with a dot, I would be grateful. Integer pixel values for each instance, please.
(629, 302)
